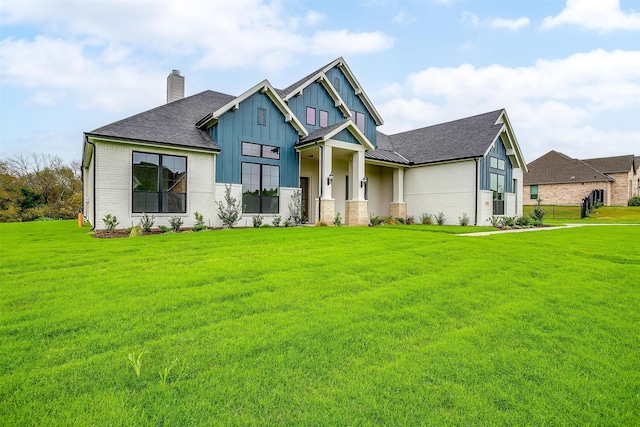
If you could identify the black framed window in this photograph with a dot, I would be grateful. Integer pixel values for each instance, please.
(159, 183)
(260, 188)
(497, 187)
(259, 150)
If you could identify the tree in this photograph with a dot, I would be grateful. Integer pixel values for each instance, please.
(41, 185)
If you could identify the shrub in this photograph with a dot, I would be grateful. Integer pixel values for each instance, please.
(375, 220)
(538, 213)
(176, 223)
(524, 221)
(410, 220)
(426, 219)
(287, 223)
(495, 221)
(257, 221)
(338, 219)
(135, 231)
(318, 224)
(464, 220)
(199, 225)
(229, 211)
(440, 218)
(146, 222)
(276, 220)
(164, 228)
(634, 201)
(508, 221)
(296, 211)
(110, 222)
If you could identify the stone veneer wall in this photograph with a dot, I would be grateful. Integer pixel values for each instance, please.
(356, 213)
(399, 210)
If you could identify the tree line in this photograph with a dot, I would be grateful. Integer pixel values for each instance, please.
(40, 186)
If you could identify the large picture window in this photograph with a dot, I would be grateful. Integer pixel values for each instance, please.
(258, 150)
(260, 188)
(159, 183)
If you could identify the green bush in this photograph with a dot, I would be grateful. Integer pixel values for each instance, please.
(110, 222)
(634, 201)
(146, 222)
(426, 219)
(199, 225)
(464, 220)
(440, 218)
(176, 223)
(164, 228)
(230, 211)
(338, 219)
(257, 221)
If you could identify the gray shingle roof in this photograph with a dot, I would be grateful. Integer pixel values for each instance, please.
(320, 133)
(284, 92)
(171, 124)
(557, 168)
(617, 164)
(460, 139)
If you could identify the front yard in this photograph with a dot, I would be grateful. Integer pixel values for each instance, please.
(319, 326)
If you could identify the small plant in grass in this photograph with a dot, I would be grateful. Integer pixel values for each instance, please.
(146, 222)
(277, 219)
(410, 220)
(426, 219)
(110, 222)
(164, 373)
(523, 221)
(287, 223)
(508, 221)
(440, 218)
(257, 221)
(464, 219)
(229, 211)
(164, 229)
(199, 224)
(175, 222)
(338, 219)
(495, 221)
(136, 362)
(634, 201)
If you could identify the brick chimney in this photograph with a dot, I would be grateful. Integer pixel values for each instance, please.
(175, 86)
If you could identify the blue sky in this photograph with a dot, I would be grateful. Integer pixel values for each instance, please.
(567, 71)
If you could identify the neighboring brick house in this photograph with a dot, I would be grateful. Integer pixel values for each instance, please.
(558, 179)
(318, 136)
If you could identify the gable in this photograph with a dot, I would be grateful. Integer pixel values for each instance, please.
(316, 95)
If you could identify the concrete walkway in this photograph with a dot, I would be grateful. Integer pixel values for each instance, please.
(554, 227)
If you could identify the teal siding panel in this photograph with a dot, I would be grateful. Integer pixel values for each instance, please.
(316, 96)
(234, 127)
(498, 151)
(348, 94)
(346, 136)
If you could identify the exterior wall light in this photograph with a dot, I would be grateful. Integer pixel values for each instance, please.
(364, 182)
(330, 179)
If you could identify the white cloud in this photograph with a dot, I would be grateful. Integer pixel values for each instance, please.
(600, 15)
(496, 23)
(343, 42)
(401, 18)
(551, 103)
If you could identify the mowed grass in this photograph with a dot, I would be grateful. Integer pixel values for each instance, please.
(604, 214)
(320, 326)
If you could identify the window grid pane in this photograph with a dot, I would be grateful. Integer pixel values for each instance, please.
(159, 183)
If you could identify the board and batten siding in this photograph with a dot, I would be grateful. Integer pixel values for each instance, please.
(241, 125)
(498, 151)
(114, 190)
(449, 188)
(353, 101)
(315, 95)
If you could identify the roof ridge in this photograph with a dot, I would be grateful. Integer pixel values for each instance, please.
(446, 123)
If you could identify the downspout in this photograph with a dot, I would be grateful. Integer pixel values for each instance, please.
(93, 224)
(321, 178)
(477, 190)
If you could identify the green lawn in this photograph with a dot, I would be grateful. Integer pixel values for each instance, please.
(320, 326)
(604, 214)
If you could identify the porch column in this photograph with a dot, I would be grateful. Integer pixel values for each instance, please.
(398, 206)
(327, 204)
(357, 208)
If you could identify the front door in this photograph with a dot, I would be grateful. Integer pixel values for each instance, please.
(304, 186)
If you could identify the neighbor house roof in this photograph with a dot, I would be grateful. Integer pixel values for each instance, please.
(466, 138)
(171, 124)
(617, 164)
(558, 168)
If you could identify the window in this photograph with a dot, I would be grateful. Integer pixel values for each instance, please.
(497, 163)
(257, 150)
(358, 119)
(533, 192)
(497, 186)
(311, 116)
(260, 188)
(324, 119)
(159, 183)
(262, 116)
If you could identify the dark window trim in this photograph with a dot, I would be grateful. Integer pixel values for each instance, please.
(159, 183)
(260, 194)
(264, 148)
(308, 109)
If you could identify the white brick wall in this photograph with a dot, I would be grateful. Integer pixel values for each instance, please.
(114, 186)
